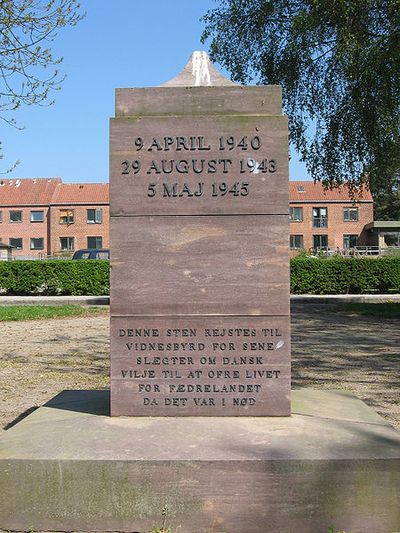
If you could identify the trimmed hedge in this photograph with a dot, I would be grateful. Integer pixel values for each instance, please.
(308, 276)
(57, 277)
(339, 275)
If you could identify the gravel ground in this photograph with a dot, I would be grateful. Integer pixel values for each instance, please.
(359, 354)
(40, 358)
(330, 350)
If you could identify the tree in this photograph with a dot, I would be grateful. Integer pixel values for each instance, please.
(387, 201)
(28, 69)
(338, 62)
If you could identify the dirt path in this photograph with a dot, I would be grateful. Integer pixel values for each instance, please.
(38, 359)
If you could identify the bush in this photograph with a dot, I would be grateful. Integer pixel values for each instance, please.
(339, 275)
(58, 277)
(308, 276)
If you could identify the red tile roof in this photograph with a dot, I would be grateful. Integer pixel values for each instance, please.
(47, 191)
(81, 193)
(18, 192)
(308, 191)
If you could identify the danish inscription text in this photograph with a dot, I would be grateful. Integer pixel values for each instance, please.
(231, 364)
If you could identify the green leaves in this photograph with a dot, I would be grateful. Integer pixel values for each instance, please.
(345, 276)
(339, 64)
(58, 277)
(308, 276)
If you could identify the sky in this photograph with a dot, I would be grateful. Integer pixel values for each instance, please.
(123, 43)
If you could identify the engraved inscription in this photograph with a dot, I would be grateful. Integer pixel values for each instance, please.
(200, 366)
(200, 165)
(173, 168)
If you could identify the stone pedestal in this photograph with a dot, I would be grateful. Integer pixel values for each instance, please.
(70, 466)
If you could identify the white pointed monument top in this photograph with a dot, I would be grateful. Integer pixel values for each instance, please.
(198, 72)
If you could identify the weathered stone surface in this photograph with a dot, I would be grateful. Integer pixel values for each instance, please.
(199, 234)
(227, 265)
(167, 101)
(70, 466)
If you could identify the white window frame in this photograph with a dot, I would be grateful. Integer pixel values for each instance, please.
(301, 239)
(349, 235)
(95, 247)
(292, 211)
(15, 221)
(31, 243)
(71, 240)
(349, 209)
(98, 216)
(320, 235)
(16, 238)
(37, 211)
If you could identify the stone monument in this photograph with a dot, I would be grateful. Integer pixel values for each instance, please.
(199, 248)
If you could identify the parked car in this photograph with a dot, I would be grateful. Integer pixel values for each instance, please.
(91, 253)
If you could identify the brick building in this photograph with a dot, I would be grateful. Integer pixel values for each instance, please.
(328, 218)
(41, 217)
(79, 217)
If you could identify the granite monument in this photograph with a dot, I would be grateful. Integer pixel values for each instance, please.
(199, 248)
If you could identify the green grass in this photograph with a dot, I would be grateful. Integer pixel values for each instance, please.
(383, 310)
(42, 312)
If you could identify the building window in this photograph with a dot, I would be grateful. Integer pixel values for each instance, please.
(320, 217)
(15, 216)
(320, 241)
(296, 241)
(67, 244)
(350, 214)
(95, 242)
(16, 242)
(66, 216)
(296, 214)
(37, 243)
(37, 216)
(94, 216)
(349, 241)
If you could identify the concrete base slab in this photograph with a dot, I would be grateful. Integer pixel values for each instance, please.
(69, 466)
